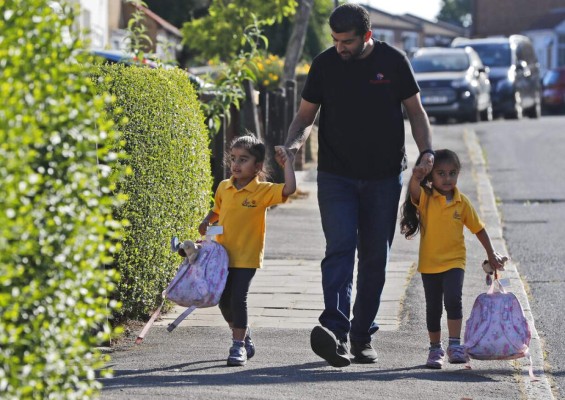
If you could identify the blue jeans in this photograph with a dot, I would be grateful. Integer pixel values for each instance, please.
(356, 214)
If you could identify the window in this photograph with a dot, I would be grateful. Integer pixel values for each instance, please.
(384, 35)
(409, 40)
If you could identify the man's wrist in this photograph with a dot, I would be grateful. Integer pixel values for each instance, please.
(427, 151)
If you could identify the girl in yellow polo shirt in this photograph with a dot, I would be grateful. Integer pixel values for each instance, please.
(240, 206)
(435, 207)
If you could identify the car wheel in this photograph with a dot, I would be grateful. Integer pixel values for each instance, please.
(487, 114)
(535, 111)
(474, 116)
(518, 111)
(442, 120)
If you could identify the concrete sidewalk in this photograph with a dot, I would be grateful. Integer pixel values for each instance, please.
(285, 303)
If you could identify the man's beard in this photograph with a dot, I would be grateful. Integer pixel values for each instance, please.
(355, 54)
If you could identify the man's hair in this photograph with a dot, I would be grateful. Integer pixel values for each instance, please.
(350, 17)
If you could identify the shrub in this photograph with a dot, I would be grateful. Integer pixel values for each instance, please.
(169, 188)
(57, 173)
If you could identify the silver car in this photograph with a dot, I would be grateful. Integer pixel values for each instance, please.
(453, 83)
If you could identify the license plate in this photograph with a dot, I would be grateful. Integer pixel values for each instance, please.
(434, 99)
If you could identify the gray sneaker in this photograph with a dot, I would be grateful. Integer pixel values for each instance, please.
(238, 354)
(436, 357)
(363, 353)
(325, 344)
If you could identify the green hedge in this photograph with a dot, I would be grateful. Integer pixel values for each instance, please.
(169, 188)
(56, 224)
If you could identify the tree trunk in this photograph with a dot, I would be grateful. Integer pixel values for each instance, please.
(297, 38)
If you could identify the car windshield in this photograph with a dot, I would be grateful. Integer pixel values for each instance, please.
(494, 55)
(440, 62)
(550, 78)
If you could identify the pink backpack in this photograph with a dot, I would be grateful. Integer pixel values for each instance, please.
(497, 328)
(196, 285)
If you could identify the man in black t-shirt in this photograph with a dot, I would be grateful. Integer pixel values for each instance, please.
(359, 86)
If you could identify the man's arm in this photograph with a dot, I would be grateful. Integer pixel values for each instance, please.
(301, 125)
(421, 130)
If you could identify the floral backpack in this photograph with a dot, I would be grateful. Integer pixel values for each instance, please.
(197, 284)
(497, 328)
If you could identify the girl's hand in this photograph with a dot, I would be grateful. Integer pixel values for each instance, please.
(282, 155)
(419, 172)
(497, 261)
(203, 227)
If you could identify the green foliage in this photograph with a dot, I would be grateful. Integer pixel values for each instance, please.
(136, 33)
(220, 33)
(57, 175)
(317, 37)
(229, 90)
(457, 12)
(168, 189)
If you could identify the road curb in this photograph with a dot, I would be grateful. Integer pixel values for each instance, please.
(541, 389)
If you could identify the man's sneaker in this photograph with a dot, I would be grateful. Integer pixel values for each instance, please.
(435, 358)
(325, 345)
(249, 345)
(238, 354)
(456, 354)
(363, 353)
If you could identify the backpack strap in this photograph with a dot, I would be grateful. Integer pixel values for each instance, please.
(496, 285)
(149, 323)
(180, 318)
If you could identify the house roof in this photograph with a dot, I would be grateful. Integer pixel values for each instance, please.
(385, 20)
(435, 28)
(550, 20)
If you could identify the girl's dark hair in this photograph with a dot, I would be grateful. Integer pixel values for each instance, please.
(348, 17)
(253, 145)
(410, 223)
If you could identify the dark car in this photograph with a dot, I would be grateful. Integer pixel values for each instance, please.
(513, 71)
(553, 95)
(453, 83)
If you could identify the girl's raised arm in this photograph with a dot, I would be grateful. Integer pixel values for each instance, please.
(286, 158)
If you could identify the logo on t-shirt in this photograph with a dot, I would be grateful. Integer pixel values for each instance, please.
(379, 79)
(456, 215)
(249, 204)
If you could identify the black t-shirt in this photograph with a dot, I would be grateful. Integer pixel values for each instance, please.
(361, 132)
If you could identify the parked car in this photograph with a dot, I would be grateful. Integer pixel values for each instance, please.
(553, 95)
(453, 83)
(514, 74)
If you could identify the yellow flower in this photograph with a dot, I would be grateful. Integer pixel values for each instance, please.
(266, 83)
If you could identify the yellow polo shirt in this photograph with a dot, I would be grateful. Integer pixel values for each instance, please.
(442, 242)
(243, 213)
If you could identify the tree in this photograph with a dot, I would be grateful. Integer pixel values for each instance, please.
(317, 35)
(457, 12)
(220, 33)
(297, 38)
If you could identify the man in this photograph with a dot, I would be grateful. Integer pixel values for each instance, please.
(359, 85)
